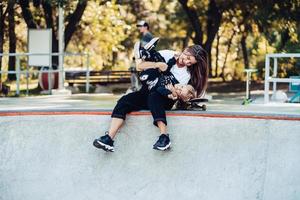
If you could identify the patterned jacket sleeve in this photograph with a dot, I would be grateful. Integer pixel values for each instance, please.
(163, 91)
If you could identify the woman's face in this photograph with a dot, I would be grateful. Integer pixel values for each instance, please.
(186, 59)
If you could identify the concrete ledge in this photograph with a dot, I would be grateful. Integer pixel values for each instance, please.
(51, 157)
(216, 114)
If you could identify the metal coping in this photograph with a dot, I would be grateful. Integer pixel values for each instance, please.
(210, 114)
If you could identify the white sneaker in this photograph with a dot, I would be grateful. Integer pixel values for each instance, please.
(136, 50)
(151, 44)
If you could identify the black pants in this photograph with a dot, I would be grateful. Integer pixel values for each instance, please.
(142, 100)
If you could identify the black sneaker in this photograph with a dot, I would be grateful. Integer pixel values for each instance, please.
(104, 142)
(151, 44)
(141, 52)
(163, 142)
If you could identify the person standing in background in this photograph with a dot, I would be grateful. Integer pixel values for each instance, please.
(145, 37)
(144, 29)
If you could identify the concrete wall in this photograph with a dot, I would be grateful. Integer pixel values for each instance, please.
(52, 157)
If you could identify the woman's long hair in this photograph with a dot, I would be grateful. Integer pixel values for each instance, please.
(199, 70)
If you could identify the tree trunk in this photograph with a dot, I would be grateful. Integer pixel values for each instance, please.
(217, 56)
(194, 20)
(135, 6)
(114, 58)
(12, 39)
(223, 75)
(73, 20)
(185, 41)
(2, 26)
(244, 50)
(285, 37)
(214, 17)
(246, 23)
(27, 15)
(48, 15)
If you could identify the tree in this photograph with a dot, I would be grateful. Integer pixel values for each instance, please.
(12, 38)
(212, 24)
(3, 13)
(102, 32)
(73, 16)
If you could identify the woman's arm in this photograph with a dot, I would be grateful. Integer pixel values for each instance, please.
(151, 65)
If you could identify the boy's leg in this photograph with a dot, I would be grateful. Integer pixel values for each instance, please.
(148, 52)
(149, 78)
(155, 56)
(158, 105)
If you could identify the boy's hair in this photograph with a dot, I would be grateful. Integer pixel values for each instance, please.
(182, 103)
(190, 95)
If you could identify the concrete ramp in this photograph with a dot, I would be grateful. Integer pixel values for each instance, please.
(51, 157)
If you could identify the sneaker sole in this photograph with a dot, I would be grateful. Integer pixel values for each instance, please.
(150, 44)
(136, 50)
(163, 148)
(103, 146)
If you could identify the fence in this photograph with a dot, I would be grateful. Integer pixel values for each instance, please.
(98, 77)
(274, 79)
(18, 70)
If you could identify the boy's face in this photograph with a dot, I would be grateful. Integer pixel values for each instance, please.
(183, 92)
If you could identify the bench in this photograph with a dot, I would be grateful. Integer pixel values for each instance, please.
(97, 77)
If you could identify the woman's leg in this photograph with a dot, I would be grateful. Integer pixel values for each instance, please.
(158, 106)
(162, 127)
(115, 125)
(131, 102)
(128, 103)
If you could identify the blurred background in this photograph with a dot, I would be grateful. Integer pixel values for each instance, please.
(237, 34)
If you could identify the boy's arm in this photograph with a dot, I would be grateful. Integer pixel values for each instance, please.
(171, 62)
(151, 65)
(165, 92)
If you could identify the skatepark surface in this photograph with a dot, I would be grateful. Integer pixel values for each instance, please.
(230, 152)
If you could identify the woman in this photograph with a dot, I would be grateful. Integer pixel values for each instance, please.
(190, 68)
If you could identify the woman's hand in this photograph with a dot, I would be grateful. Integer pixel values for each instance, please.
(170, 96)
(172, 89)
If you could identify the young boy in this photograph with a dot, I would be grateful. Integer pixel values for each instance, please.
(164, 82)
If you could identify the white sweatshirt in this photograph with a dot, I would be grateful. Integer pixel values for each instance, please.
(181, 74)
